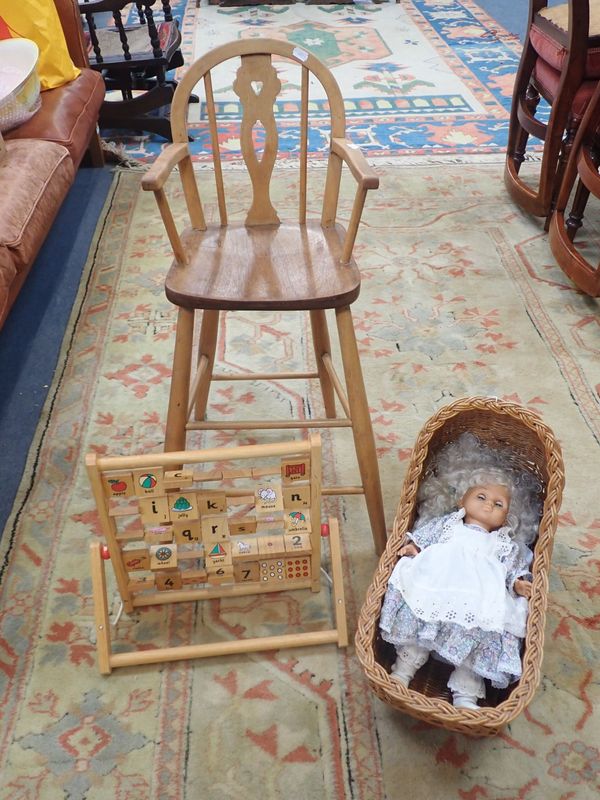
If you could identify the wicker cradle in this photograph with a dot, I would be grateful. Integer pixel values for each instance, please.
(499, 424)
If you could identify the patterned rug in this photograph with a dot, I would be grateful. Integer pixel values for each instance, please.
(422, 79)
(460, 296)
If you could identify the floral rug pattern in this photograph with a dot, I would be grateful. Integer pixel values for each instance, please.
(460, 296)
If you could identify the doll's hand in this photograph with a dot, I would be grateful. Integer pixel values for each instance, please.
(409, 549)
(522, 587)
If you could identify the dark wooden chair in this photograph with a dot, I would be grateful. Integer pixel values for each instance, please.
(134, 59)
(582, 168)
(263, 263)
(559, 63)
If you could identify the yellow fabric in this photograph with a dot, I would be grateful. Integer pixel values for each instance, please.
(38, 20)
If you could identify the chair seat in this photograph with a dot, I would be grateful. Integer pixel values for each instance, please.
(549, 37)
(547, 81)
(287, 266)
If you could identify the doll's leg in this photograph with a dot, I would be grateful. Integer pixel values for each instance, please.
(409, 658)
(466, 686)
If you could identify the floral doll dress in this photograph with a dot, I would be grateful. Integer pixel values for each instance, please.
(456, 597)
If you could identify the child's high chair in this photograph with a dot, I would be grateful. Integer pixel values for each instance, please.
(263, 263)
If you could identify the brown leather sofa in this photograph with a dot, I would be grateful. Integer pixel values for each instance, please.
(43, 156)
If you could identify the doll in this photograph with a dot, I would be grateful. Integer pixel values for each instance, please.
(459, 591)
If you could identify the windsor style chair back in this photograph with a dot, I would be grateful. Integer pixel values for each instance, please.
(262, 262)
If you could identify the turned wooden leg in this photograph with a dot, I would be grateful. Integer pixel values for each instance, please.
(177, 414)
(209, 331)
(362, 429)
(322, 345)
(532, 99)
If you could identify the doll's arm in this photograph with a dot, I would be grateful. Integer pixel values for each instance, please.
(517, 563)
(522, 587)
(409, 549)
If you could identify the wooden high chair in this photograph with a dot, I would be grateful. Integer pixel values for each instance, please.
(265, 264)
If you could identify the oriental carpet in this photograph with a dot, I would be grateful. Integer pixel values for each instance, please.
(421, 79)
(460, 296)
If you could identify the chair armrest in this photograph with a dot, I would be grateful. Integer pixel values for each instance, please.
(158, 173)
(357, 163)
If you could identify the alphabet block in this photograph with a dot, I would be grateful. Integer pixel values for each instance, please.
(183, 506)
(297, 469)
(214, 529)
(212, 503)
(158, 534)
(163, 556)
(244, 549)
(192, 576)
(154, 510)
(178, 479)
(242, 525)
(187, 532)
(268, 498)
(148, 482)
(271, 545)
(141, 583)
(297, 521)
(136, 559)
(295, 497)
(220, 553)
(118, 484)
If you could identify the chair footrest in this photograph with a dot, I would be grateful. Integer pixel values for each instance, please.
(260, 424)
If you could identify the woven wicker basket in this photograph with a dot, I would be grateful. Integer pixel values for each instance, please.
(533, 447)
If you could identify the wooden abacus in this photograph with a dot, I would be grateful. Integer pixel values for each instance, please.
(194, 543)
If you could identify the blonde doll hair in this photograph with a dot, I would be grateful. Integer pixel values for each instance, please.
(468, 462)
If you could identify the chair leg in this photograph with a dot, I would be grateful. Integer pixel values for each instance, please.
(362, 429)
(208, 344)
(180, 382)
(322, 345)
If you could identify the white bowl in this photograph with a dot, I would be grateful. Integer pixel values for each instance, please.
(19, 82)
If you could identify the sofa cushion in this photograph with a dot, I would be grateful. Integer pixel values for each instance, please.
(34, 180)
(67, 115)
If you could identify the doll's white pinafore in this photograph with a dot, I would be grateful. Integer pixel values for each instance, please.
(455, 598)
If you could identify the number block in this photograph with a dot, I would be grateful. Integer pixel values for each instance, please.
(272, 570)
(297, 543)
(297, 568)
(141, 583)
(222, 574)
(246, 571)
(118, 484)
(193, 576)
(183, 506)
(168, 580)
(296, 497)
(148, 482)
(187, 532)
(163, 556)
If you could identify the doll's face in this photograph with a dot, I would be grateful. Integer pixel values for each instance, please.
(487, 505)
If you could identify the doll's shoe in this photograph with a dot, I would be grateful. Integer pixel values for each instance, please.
(465, 701)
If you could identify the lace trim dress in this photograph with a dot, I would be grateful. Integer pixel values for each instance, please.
(455, 597)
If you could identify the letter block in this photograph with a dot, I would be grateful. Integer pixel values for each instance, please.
(183, 505)
(118, 484)
(148, 482)
(163, 556)
(154, 510)
(187, 531)
(295, 497)
(214, 529)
